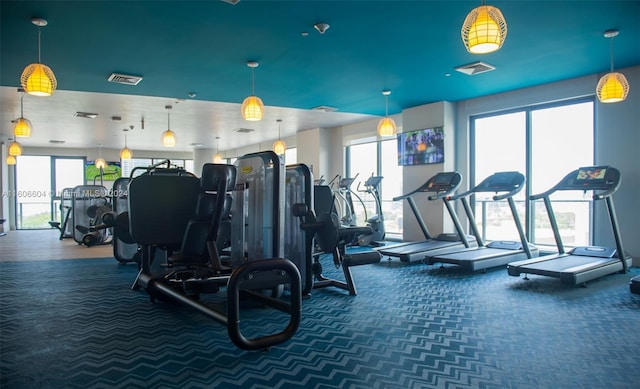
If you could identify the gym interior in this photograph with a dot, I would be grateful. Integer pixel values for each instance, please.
(490, 241)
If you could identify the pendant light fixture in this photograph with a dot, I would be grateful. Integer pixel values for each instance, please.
(168, 137)
(22, 126)
(252, 107)
(217, 157)
(386, 125)
(14, 149)
(484, 30)
(38, 79)
(613, 87)
(279, 147)
(100, 163)
(125, 153)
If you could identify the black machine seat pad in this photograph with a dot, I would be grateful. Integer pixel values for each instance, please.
(160, 207)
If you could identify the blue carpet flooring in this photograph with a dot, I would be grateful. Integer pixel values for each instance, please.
(76, 324)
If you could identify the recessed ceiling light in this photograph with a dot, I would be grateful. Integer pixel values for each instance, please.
(86, 115)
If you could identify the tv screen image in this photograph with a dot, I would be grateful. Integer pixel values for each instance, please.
(421, 146)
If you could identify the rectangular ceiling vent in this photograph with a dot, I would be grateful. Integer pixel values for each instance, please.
(244, 130)
(324, 108)
(86, 115)
(475, 68)
(57, 142)
(126, 79)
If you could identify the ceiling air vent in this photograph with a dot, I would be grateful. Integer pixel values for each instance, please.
(244, 130)
(324, 108)
(475, 68)
(126, 79)
(57, 142)
(86, 115)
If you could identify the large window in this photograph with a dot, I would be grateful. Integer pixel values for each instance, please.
(544, 143)
(291, 156)
(378, 158)
(40, 181)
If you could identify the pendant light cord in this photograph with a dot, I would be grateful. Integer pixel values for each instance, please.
(21, 112)
(253, 82)
(39, 33)
(611, 53)
(386, 105)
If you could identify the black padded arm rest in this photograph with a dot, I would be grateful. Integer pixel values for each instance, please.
(322, 199)
(160, 207)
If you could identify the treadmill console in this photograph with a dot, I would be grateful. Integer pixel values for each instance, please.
(590, 178)
(443, 182)
(593, 177)
(501, 182)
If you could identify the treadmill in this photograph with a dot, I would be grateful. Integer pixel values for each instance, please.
(440, 187)
(496, 253)
(584, 263)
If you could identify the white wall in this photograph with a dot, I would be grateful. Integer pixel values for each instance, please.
(435, 216)
(311, 151)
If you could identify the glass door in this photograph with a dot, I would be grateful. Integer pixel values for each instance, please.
(40, 181)
(500, 145)
(67, 174)
(33, 189)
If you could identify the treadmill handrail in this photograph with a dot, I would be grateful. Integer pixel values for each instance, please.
(489, 184)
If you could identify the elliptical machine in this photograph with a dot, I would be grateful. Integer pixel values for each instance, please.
(375, 222)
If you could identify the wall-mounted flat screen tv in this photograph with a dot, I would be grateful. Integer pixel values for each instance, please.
(421, 146)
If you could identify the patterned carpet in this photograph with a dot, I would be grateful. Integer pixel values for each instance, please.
(76, 324)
